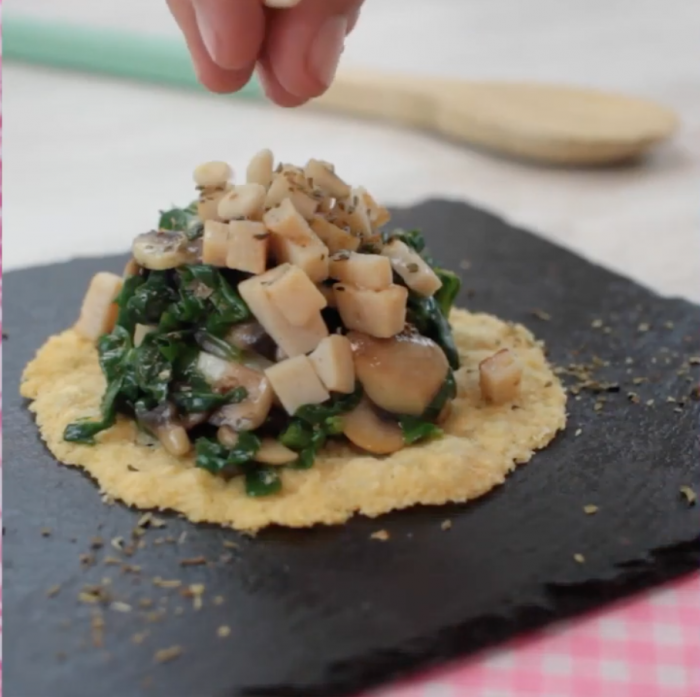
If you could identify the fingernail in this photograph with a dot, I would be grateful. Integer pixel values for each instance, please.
(326, 49)
(207, 27)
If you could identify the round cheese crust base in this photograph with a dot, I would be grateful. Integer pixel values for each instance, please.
(481, 445)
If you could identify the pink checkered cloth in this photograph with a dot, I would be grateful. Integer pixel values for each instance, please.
(646, 647)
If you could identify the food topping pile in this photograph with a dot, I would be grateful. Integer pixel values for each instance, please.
(268, 317)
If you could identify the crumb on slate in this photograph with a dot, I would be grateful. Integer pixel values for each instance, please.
(590, 509)
(169, 654)
(382, 535)
(579, 558)
(689, 495)
(223, 631)
(446, 524)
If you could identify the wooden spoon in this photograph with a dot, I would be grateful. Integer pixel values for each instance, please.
(543, 123)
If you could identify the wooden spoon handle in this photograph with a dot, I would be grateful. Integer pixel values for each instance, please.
(544, 123)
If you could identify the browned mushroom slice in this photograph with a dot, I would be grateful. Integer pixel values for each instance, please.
(164, 423)
(99, 310)
(402, 374)
(163, 249)
(500, 376)
(224, 376)
(367, 430)
(248, 336)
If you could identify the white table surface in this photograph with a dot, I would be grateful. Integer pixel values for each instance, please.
(88, 161)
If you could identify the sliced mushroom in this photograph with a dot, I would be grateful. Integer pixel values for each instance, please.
(249, 336)
(224, 376)
(189, 421)
(164, 423)
(367, 430)
(272, 452)
(402, 374)
(163, 249)
(500, 376)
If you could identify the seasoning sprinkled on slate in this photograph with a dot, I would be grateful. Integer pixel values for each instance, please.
(689, 495)
(597, 323)
(169, 654)
(590, 509)
(381, 535)
(139, 637)
(193, 561)
(446, 524)
(230, 544)
(45, 532)
(541, 314)
(119, 606)
(223, 631)
(579, 558)
(578, 432)
(694, 360)
(163, 583)
(644, 327)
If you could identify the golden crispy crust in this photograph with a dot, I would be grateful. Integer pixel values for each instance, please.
(482, 443)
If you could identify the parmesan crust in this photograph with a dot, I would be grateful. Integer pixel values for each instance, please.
(482, 442)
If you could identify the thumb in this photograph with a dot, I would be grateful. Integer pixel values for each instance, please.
(304, 44)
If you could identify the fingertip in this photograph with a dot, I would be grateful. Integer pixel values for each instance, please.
(219, 80)
(273, 90)
(232, 31)
(320, 27)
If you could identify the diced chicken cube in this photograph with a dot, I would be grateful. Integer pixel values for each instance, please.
(260, 169)
(500, 376)
(215, 243)
(242, 201)
(380, 313)
(99, 311)
(311, 257)
(333, 362)
(292, 340)
(361, 270)
(212, 174)
(247, 246)
(295, 295)
(286, 221)
(334, 237)
(321, 177)
(281, 189)
(352, 211)
(412, 268)
(295, 383)
(208, 204)
(378, 215)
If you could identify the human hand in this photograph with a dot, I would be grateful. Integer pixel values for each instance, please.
(295, 44)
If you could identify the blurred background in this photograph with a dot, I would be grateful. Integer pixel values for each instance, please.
(89, 159)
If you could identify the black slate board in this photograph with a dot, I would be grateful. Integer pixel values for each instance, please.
(328, 611)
